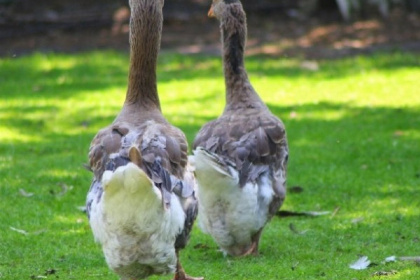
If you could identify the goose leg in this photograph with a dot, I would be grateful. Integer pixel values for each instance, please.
(253, 250)
(180, 273)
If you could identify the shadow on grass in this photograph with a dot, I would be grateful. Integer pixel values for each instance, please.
(363, 141)
(102, 70)
(361, 159)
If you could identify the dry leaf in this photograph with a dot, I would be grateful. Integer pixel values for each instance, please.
(24, 232)
(416, 258)
(317, 213)
(361, 263)
(384, 273)
(81, 208)
(21, 231)
(357, 220)
(391, 259)
(398, 133)
(293, 115)
(24, 193)
(309, 65)
(336, 210)
(64, 189)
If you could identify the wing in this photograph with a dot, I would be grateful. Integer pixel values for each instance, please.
(255, 140)
(105, 143)
(156, 147)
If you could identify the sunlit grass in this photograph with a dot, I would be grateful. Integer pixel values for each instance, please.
(353, 128)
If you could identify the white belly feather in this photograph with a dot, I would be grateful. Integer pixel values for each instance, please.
(131, 223)
(229, 213)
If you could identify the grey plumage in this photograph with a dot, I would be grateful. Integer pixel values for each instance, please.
(141, 145)
(245, 147)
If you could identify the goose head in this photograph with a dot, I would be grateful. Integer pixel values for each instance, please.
(219, 7)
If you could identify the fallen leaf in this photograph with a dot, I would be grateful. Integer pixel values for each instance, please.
(398, 133)
(309, 65)
(385, 273)
(25, 193)
(81, 208)
(391, 259)
(357, 220)
(24, 232)
(361, 263)
(38, 277)
(293, 115)
(416, 258)
(64, 189)
(21, 231)
(294, 230)
(336, 210)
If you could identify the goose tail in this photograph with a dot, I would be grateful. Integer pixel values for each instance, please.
(211, 167)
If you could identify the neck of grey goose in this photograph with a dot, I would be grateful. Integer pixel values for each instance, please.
(145, 34)
(239, 90)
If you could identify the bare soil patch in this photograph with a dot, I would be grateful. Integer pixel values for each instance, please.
(320, 36)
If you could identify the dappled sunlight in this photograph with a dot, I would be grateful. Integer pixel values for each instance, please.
(13, 134)
(54, 174)
(353, 135)
(46, 65)
(5, 160)
(78, 222)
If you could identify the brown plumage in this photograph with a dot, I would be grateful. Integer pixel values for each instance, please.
(137, 160)
(247, 142)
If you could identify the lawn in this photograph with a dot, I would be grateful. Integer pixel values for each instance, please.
(354, 135)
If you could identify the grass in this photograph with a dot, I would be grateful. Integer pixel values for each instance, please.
(353, 129)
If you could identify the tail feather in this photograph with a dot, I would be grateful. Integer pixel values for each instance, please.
(127, 192)
(130, 177)
(209, 166)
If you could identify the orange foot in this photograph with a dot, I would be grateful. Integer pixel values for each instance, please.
(181, 275)
(180, 272)
(253, 250)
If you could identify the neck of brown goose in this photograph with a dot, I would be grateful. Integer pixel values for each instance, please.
(145, 33)
(234, 31)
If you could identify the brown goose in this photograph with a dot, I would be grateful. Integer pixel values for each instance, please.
(141, 204)
(240, 158)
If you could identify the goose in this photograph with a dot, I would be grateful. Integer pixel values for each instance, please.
(240, 158)
(141, 204)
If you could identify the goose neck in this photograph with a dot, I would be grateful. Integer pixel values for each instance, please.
(145, 34)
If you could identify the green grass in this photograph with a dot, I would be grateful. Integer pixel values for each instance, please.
(354, 135)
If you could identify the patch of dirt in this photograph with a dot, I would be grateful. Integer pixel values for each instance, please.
(321, 36)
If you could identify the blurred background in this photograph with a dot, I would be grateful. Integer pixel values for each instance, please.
(305, 28)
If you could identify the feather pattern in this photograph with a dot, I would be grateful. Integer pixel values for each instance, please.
(240, 159)
(141, 204)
